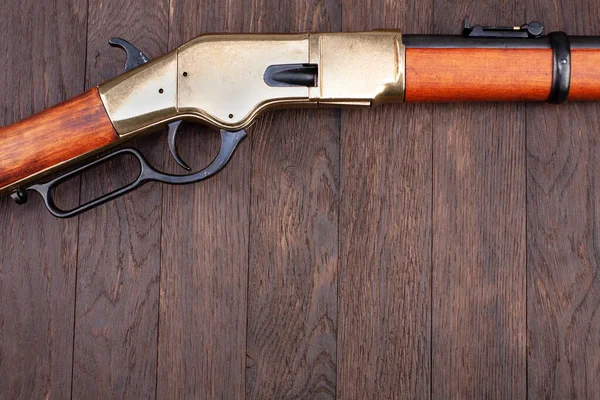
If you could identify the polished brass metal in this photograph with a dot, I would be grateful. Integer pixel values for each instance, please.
(143, 98)
(360, 69)
(219, 79)
(225, 85)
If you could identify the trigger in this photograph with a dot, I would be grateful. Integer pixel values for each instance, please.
(173, 132)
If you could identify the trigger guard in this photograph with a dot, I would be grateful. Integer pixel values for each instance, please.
(229, 144)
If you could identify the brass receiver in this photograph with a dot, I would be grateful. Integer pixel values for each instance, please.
(219, 80)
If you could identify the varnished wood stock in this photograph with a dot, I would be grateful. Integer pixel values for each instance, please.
(447, 75)
(585, 78)
(54, 137)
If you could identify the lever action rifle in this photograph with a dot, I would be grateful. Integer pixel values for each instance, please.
(227, 80)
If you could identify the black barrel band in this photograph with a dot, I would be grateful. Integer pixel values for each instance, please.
(561, 73)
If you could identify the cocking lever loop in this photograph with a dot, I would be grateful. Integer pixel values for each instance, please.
(229, 143)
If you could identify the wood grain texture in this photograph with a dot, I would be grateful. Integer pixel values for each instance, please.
(417, 185)
(479, 303)
(54, 136)
(292, 286)
(42, 64)
(458, 75)
(448, 75)
(202, 348)
(116, 322)
(585, 75)
(292, 299)
(563, 285)
(385, 233)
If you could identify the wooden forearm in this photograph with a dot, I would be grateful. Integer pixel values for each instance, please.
(54, 137)
(449, 75)
(585, 78)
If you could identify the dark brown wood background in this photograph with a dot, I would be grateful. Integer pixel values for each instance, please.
(410, 251)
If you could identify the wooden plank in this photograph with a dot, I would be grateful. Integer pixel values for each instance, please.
(292, 290)
(479, 303)
(205, 246)
(563, 288)
(116, 322)
(385, 232)
(43, 64)
(292, 303)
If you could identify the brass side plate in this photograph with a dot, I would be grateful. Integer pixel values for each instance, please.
(143, 98)
(219, 79)
(225, 83)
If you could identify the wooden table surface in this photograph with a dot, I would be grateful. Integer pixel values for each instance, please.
(409, 251)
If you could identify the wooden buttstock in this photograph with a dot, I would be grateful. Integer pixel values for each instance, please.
(46, 141)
